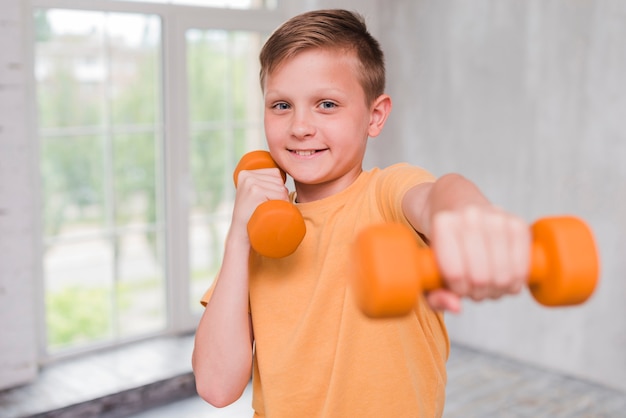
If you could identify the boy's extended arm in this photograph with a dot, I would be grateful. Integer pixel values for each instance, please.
(482, 251)
(222, 355)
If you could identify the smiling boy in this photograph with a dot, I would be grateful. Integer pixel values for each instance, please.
(292, 322)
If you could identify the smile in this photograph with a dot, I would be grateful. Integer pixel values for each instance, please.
(305, 153)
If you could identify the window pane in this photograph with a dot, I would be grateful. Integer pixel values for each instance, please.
(223, 76)
(78, 280)
(211, 206)
(140, 284)
(99, 89)
(136, 172)
(207, 235)
(206, 72)
(70, 68)
(72, 169)
(134, 68)
(225, 121)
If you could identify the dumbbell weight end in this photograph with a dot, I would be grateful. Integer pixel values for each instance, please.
(386, 258)
(565, 267)
(276, 229)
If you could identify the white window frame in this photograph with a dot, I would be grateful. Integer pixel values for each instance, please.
(175, 21)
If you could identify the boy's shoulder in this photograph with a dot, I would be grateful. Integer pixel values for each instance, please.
(403, 170)
(395, 180)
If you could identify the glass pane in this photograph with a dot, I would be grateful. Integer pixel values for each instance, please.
(136, 173)
(140, 284)
(207, 72)
(99, 93)
(225, 121)
(209, 167)
(246, 139)
(212, 200)
(206, 237)
(72, 178)
(134, 68)
(79, 302)
(70, 68)
(223, 71)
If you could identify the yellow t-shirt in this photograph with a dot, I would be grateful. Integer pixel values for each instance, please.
(316, 354)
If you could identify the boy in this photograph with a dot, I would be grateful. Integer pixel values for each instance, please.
(293, 322)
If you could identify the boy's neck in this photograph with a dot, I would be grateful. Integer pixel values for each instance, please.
(306, 193)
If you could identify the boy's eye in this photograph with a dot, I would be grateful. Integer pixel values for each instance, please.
(327, 105)
(281, 106)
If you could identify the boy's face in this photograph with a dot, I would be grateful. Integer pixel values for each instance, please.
(317, 121)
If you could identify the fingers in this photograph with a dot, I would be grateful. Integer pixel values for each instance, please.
(255, 187)
(444, 300)
(264, 184)
(482, 252)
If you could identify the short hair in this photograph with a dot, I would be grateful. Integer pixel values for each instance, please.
(327, 29)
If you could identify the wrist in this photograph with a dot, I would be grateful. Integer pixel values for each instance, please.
(237, 238)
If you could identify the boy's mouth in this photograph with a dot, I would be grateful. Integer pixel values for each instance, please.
(305, 153)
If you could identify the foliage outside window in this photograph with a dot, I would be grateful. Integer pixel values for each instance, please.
(102, 133)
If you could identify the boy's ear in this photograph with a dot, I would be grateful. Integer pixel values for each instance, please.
(379, 111)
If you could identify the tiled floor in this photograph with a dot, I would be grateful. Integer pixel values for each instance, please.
(147, 375)
(479, 386)
(482, 385)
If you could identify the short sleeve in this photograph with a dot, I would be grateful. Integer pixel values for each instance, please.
(207, 295)
(392, 185)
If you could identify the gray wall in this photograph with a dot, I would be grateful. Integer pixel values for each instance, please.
(528, 99)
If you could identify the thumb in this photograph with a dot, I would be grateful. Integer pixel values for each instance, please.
(444, 300)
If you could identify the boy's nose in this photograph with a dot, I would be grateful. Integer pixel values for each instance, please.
(302, 125)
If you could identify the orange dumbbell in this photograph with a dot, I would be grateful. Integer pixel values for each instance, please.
(391, 269)
(276, 227)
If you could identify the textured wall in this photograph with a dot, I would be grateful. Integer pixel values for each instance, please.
(528, 99)
(17, 206)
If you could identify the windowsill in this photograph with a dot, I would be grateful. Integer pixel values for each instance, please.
(126, 381)
(112, 383)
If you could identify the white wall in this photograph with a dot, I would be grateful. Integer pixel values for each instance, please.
(17, 206)
(528, 99)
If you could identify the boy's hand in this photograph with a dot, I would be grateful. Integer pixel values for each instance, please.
(482, 253)
(253, 188)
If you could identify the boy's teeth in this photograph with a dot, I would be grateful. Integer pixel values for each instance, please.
(305, 153)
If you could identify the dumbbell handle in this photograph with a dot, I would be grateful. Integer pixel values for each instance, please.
(431, 279)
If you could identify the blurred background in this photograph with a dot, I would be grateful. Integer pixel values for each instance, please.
(121, 123)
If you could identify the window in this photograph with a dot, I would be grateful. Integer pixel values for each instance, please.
(143, 112)
(101, 134)
(225, 120)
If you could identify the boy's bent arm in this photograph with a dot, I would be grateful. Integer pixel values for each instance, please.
(481, 250)
(222, 355)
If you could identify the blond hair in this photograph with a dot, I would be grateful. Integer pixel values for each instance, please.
(328, 29)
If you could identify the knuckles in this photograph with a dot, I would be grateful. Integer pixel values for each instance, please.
(491, 249)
